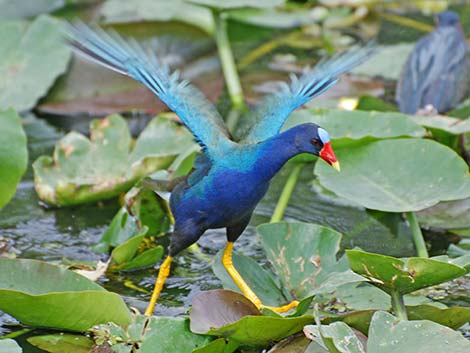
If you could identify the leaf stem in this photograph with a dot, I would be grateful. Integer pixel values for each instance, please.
(228, 63)
(286, 194)
(398, 305)
(417, 235)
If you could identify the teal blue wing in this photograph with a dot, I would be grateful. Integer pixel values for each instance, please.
(269, 116)
(129, 58)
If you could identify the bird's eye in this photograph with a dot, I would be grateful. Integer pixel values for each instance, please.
(316, 142)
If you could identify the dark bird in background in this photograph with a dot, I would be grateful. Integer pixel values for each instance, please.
(437, 71)
(229, 177)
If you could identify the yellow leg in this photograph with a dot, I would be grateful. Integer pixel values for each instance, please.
(247, 291)
(162, 275)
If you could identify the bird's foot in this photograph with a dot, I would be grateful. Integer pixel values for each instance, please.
(281, 309)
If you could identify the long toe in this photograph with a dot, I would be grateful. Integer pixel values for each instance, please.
(282, 309)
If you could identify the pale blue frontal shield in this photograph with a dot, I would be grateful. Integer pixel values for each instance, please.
(324, 136)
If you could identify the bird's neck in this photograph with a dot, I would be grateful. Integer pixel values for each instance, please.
(275, 152)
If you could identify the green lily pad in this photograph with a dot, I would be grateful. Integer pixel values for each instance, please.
(397, 175)
(271, 17)
(236, 4)
(219, 345)
(336, 337)
(348, 126)
(126, 251)
(152, 335)
(262, 282)
(404, 276)
(251, 330)
(304, 257)
(10, 10)
(453, 317)
(60, 343)
(446, 215)
(448, 124)
(33, 56)
(368, 103)
(44, 295)
(387, 62)
(13, 154)
(83, 170)
(118, 11)
(10, 346)
(387, 334)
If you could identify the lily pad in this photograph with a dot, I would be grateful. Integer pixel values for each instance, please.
(237, 4)
(398, 175)
(446, 215)
(387, 334)
(44, 295)
(404, 276)
(60, 343)
(83, 170)
(347, 126)
(304, 257)
(337, 337)
(261, 281)
(453, 317)
(214, 313)
(13, 154)
(10, 346)
(152, 335)
(387, 61)
(10, 10)
(118, 11)
(33, 56)
(271, 18)
(444, 123)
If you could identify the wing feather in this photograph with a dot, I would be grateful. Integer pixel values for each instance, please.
(273, 111)
(129, 58)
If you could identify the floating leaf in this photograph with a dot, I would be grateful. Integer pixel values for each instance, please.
(13, 154)
(126, 251)
(262, 282)
(40, 294)
(304, 257)
(271, 18)
(397, 175)
(346, 126)
(236, 4)
(13, 10)
(387, 334)
(453, 317)
(446, 215)
(32, 58)
(337, 337)
(260, 331)
(404, 276)
(152, 335)
(157, 10)
(216, 308)
(9, 346)
(387, 61)
(444, 123)
(83, 170)
(60, 343)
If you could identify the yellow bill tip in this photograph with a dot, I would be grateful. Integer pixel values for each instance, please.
(336, 166)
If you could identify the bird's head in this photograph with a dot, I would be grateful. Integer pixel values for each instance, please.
(448, 18)
(316, 140)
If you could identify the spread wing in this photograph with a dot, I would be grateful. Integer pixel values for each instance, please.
(129, 58)
(433, 71)
(273, 111)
